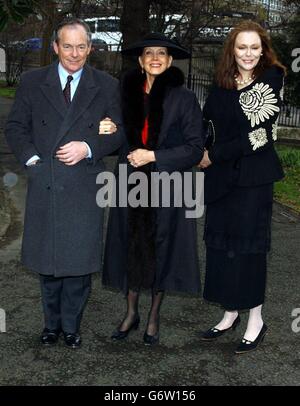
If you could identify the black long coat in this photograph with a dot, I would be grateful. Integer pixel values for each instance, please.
(63, 224)
(176, 119)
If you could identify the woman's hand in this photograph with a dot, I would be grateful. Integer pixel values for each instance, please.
(107, 126)
(140, 157)
(205, 161)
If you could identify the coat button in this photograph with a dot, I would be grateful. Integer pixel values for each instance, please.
(48, 187)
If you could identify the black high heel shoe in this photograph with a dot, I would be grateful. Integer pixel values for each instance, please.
(247, 345)
(120, 335)
(214, 333)
(149, 339)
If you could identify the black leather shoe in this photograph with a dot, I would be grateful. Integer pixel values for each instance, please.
(72, 340)
(247, 345)
(120, 335)
(49, 337)
(151, 340)
(214, 333)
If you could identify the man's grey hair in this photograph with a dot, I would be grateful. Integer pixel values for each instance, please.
(72, 22)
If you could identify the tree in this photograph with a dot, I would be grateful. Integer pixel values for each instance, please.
(52, 12)
(16, 11)
(14, 52)
(134, 30)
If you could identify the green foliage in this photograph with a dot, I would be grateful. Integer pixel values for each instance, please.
(289, 156)
(15, 10)
(7, 91)
(287, 191)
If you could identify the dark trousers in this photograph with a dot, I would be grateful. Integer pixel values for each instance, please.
(64, 300)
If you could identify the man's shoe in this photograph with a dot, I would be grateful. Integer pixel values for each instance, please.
(72, 340)
(247, 345)
(49, 337)
(214, 333)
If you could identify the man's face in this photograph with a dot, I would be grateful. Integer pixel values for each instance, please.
(72, 48)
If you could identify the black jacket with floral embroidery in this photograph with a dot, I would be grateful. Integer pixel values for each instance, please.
(244, 123)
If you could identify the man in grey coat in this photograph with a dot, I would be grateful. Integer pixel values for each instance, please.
(53, 131)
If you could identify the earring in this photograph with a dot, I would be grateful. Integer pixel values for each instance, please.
(261, 54)
(142, 70)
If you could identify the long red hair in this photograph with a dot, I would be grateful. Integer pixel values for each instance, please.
(227, 67)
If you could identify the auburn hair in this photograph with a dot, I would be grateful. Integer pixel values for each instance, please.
(227, 68)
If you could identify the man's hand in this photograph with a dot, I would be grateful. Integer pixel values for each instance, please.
(72, 153)
(140, 157)
(205, 162)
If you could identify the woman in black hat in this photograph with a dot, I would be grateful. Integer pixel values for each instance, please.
(149, 247)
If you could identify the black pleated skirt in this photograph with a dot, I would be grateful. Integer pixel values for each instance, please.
(238, 236)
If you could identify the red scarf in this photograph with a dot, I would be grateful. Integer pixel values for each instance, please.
(146, 124)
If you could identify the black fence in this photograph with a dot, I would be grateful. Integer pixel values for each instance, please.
(289, 115)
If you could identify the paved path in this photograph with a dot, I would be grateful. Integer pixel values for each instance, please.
(180, 359)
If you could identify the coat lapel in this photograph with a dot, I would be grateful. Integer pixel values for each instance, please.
(85, 93)
(52, 90)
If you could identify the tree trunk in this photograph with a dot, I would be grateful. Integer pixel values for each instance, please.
(50, 19)
(134, 25)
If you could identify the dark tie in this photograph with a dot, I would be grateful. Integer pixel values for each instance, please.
(67, 90)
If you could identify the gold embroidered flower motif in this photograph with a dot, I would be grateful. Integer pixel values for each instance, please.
(258, 138)
(259, 103)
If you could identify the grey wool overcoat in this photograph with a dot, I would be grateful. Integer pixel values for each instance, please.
(63, 223)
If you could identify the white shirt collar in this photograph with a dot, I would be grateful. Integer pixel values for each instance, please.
(63, 74)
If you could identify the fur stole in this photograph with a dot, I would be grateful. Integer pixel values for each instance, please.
(133, 104)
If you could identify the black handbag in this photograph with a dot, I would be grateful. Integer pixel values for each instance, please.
(210, 134)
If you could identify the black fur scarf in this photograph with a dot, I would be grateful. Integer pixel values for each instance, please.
(134, 106)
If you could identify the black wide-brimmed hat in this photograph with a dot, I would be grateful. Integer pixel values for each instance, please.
(156, 39)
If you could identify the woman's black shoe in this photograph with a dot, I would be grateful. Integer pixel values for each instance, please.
(120, 335)
(151, 340)
(214, 333)
(247, 345)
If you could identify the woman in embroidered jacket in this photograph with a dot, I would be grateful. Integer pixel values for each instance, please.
(150, 247)
(240, 167)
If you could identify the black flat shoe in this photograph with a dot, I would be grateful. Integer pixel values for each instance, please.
(72, 340)
(49, 337)
(120, 335)
(247, 345)
(214, 333)
(151, 340)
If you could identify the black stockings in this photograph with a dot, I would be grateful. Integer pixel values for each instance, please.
(132, 311)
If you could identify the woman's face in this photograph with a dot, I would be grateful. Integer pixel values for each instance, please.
(155, 60)
(247, 50)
